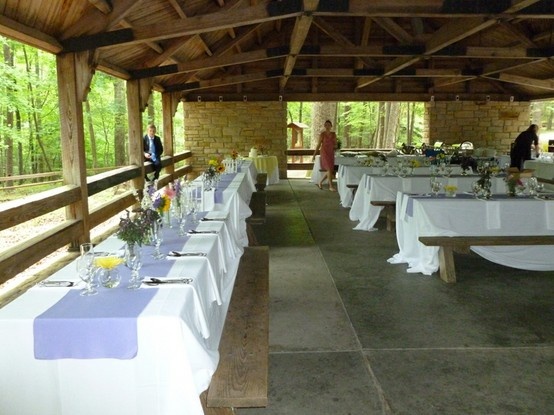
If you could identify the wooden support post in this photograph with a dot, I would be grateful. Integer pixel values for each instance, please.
(136, 150)
(167, 132)
(72, 90)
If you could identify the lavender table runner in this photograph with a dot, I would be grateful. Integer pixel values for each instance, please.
(224, 183)
(78, 327)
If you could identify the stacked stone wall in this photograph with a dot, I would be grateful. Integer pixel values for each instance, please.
(485, 124)
(218, 128)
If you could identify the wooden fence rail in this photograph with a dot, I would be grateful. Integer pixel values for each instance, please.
(21, 256)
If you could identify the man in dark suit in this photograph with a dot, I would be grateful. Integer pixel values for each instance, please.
(153, 150)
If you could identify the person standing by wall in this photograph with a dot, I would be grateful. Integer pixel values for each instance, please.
(327, 143)
(153, 149)
(521, 149)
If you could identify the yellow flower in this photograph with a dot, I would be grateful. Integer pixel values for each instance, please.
(108, 262)
(450, 188)
(167, 203)
(415, 163)
(220, 168)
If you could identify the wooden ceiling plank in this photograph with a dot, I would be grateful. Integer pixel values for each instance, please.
(152, 45)
(210, 22)
(96, 21)
(178, 8)
(28, 35)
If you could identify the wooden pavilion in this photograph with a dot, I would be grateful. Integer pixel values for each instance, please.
(262, 50)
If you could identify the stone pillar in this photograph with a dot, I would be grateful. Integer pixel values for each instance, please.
(218, 128)
(490, 124)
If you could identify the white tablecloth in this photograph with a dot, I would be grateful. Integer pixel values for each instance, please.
(426, 216)
(269, 165)
(178, 334)
(543, 170)
(384, 188)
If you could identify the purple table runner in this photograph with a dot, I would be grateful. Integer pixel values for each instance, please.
(78, 327)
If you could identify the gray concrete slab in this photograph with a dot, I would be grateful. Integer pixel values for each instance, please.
(482, 346)
(319, 384)
(466, 381)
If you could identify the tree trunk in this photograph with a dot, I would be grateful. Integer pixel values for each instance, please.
(91, 135)
(35, 110)
(8, 139)
(321, 112)
(119, 131)
(346, 129)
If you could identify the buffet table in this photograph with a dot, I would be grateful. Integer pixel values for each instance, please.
(466, 216)
(156, 361)
(269, 165)
(384, 188)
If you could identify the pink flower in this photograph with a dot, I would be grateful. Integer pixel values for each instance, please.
(169, 192)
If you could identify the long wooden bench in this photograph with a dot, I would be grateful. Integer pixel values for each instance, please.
(241, 378)
(448, 244)
(390, 212)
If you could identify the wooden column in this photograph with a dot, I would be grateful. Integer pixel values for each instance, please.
(136, 150)
(74, 74)
(168, 111)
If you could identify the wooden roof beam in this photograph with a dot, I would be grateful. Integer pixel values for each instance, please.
(28, 35)
(340, 38)
(96, 21)
(394, 29)
(298, 37)
(525, 81)
(103, 5)
(448, 34)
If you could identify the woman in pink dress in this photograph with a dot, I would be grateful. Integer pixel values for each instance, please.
(327, 143)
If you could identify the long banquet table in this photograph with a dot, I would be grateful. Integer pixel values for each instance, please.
(467, 216)
(109, 362)
(352, 175)
(384, 188)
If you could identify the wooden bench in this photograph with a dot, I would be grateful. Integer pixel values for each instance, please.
(241, 378)
(353, 187)
(448, 244)
(390, 212)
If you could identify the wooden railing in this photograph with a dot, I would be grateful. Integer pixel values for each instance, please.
(21, 256)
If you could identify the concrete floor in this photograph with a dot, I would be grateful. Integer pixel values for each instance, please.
(352, 334)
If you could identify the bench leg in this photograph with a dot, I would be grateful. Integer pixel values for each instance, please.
(447, 269)
(391, 218)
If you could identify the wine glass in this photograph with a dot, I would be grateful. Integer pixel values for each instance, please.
(85, 270)
(436, 186)
(134, 263)
(158, 239)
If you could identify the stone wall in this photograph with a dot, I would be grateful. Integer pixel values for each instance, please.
(485, 124)
(218, 128)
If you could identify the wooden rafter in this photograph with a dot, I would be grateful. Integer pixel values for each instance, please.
(299, 33)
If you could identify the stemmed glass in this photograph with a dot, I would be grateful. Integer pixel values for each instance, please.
(134, 263)
(158, 239)
(85, 268)
(436, 186)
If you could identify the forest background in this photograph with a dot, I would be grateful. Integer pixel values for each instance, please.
(30, 118)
